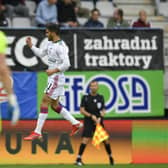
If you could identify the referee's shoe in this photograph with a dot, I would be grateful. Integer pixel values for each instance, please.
(79, 162)
(111, 160)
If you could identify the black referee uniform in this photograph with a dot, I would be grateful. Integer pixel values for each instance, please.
(93, 105)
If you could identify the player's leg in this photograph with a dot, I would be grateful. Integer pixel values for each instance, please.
(43, 113)
(109, 151)
(36, 134)
(5, 79)
(4, 76)
(58, 108)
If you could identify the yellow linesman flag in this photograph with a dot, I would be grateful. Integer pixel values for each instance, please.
(100, 135)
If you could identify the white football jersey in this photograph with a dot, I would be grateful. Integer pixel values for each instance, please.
(57, 53)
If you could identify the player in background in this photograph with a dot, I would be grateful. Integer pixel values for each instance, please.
(5, 79)
(58, 60)
(93, 108)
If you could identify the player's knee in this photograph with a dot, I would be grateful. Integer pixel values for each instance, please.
(45, 101)
(56, 108)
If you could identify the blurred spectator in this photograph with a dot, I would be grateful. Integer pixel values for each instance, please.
(46, 13)
(37, 1)
(3, 20)
(117, 21)
(79, 10)
(15, 7)
(66, 13)
(142, 20)
(94, 20)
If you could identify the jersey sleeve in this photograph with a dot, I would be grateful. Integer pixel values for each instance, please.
(83, 102)
(40, 52)
(63, 54)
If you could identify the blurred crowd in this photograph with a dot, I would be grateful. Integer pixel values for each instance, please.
(66, 14)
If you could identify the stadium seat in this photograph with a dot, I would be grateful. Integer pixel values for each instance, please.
(31, 6)
(21, 22)
(9, 22)
(158, 24)
(163, 9)
(104, 21)
(150, 18)
(133, 1)
(106, 8)
(82, 20)
(87, 4)
(134, 9)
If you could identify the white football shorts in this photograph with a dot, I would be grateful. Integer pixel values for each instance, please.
(55, 86)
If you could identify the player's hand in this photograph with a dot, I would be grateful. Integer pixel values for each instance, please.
(29, 42)
(14, 109)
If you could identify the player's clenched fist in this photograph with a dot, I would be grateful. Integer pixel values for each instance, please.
(29, 42)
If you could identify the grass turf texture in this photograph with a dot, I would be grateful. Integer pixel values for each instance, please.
(87, 166)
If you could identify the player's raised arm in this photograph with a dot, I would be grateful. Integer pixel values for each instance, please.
(37, 51)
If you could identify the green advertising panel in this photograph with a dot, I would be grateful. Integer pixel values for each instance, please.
(127, 94)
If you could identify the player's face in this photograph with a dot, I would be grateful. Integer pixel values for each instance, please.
(49, 35)
(94, 87)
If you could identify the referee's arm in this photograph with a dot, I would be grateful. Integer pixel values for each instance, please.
(84, 112)
(103, 111)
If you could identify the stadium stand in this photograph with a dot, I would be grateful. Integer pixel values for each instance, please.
(162, 7)
(31, 6)
(87, 4)
(82, 20)
(105, 7)
(9, 22)
(21, 22)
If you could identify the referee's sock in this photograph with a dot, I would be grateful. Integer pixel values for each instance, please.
(81, 150)
(109, 152)
(108, 149)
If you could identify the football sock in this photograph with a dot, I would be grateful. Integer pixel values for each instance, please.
(81, 150)
(66, 114)
(41, 119)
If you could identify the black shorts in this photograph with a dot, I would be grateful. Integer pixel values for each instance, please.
(89, 128)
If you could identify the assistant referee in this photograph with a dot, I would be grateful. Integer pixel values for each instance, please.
(93, 108)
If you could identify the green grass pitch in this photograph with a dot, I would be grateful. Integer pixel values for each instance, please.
(87, 166)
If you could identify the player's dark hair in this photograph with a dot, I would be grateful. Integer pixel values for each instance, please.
(93, 81)
(52, 27)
